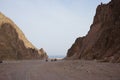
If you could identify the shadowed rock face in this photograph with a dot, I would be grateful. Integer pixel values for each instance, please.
(103, 40)
(13, 44)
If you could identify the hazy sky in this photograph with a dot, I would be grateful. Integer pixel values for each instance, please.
(51, 24)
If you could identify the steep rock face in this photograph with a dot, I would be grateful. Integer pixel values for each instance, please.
(75, 49)
(13, 44)
(44, 53)
(103, 40)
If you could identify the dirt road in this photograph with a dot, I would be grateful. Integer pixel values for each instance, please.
(59, 70)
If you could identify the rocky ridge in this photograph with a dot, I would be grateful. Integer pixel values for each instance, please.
(13, 43)
(103, 39)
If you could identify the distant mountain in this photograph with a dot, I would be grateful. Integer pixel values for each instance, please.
(103, 40)
(13, 43)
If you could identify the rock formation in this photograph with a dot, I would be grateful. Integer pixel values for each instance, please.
(13, 43)
(103, 40)
(44, 53)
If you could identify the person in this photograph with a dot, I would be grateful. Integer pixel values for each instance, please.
(46, 59)
(55, 59)
(1, 61)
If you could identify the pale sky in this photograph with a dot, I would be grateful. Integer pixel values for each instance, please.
(52, 24)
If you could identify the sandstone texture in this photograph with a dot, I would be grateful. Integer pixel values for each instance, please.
(13, 43)
(103, 39)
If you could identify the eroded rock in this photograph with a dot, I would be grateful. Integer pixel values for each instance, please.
(13, 43)
(103, 39)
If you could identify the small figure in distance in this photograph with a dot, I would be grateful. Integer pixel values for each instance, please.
(55, 59)
(46, 60)
(1, 61)
(52, 60)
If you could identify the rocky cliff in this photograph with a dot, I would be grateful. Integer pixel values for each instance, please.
(13, 43)
(103, 39)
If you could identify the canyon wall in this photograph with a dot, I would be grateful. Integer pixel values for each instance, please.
(13, 43)
(103, 39)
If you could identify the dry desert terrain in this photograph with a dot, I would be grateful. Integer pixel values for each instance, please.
(59, 70)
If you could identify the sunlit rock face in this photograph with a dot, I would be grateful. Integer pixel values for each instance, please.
(103, 39)
(13, 43)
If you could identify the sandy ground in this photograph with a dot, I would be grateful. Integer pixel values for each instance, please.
(59, 70)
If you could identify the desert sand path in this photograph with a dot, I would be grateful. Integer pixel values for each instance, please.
(59, 70)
